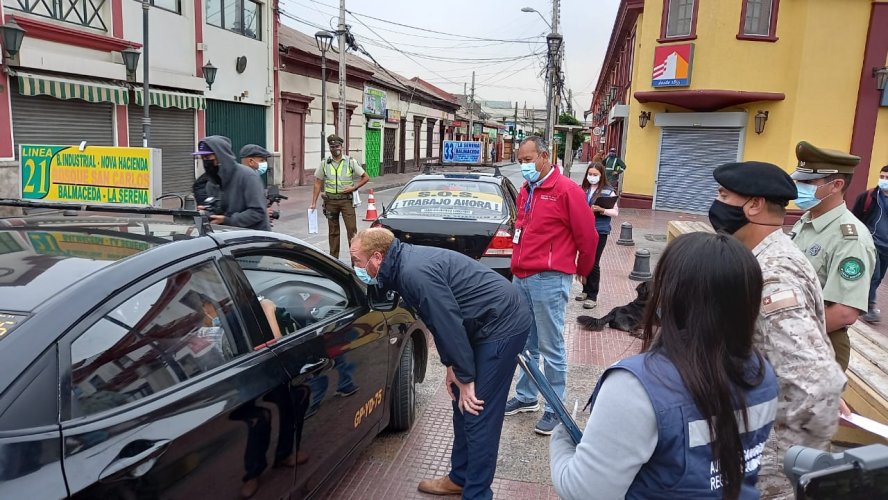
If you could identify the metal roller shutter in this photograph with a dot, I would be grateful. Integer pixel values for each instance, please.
(47, 120)
(688, 155)
(172, 131)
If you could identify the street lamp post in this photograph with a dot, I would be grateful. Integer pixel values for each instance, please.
(146, 118)
(325, 41)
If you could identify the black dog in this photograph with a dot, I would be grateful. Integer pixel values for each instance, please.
(627, 318)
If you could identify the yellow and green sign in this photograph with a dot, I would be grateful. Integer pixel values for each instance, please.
(86, 246)
(95, 175)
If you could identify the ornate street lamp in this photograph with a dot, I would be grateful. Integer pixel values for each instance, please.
(209, 72)
(130, 61)
(12, 35)
(760, 118)
(643, 118)
(325, 41)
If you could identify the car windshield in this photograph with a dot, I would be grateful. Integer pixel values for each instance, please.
(451, 198)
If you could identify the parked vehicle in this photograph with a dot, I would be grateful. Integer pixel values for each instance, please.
(472, 213)
(140, 361)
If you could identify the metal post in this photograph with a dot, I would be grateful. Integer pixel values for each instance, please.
(515, 134)
(471, 111)
(323, 104)
(343, 127)
(146, 117)
(551, 116)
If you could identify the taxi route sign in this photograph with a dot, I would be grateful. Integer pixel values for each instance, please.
(95, 175)
(462, 152)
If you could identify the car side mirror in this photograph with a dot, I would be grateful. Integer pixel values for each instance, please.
(382, 300)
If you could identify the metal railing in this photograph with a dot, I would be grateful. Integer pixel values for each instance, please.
(80, 12)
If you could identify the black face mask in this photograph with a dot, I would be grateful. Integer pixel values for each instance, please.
(727, 218)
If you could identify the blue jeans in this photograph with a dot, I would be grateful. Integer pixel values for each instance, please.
(547, 294)
(476, 437)
(878, 274)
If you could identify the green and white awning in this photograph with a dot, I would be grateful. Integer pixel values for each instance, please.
(167, 99)
(31, 84)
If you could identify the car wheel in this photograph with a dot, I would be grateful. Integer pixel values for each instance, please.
(404, 391)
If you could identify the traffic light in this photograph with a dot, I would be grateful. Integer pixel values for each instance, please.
(521, 134)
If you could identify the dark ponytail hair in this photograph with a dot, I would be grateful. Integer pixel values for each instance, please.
(708, 289)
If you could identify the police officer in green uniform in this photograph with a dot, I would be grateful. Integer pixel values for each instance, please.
(336, 176)
(838, 245)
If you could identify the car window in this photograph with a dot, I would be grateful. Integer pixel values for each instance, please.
(175, 329)
(457, 198)
(293, 295)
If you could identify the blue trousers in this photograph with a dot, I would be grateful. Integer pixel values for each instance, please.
(476, 437)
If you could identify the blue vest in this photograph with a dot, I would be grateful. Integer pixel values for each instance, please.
(602, 222)
(682, 465)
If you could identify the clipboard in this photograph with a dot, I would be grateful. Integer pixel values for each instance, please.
(606, 202)
(536, 376)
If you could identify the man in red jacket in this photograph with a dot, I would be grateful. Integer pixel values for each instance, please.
(554, 225)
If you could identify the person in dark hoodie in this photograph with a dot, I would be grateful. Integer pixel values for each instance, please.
(237, 186)
(480, 322)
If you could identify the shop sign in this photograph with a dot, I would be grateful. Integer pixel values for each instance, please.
(392, 116)
(462, 152)
(672, 65)
(458, 123)
(374, 101)
(374, 123)
(95, 175)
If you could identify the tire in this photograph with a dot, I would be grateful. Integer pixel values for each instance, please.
(404, 391)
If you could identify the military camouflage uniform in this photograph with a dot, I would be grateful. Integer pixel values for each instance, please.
(791, 333)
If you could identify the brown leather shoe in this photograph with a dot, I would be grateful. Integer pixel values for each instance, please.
(440, 486)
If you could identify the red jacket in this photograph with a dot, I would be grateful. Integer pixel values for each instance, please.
(558, 226)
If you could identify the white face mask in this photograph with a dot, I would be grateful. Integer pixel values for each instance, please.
(593, 179)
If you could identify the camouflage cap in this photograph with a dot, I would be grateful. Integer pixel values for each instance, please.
(334, 138)
(817, 163)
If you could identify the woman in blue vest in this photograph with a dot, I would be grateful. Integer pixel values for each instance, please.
(596, 185)
(688, 417)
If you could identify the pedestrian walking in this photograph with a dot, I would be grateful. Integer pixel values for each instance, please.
(554, 240)
(480, 322)
(335, 176)
(688, 417)
(255, 157)
(597, 187)
(237, 189)
(838, 245)
(871, 207)
(614, 166)
(791, 327)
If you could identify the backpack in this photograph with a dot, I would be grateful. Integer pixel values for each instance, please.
(868, 202)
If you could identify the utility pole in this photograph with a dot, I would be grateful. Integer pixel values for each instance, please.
(466, 95)
(515, 133)
(343, 127)
(471, 111)
(146, 100)
(570, 98)
(533, 114)
(554, 69)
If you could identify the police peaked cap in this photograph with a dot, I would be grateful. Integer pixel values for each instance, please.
(756, 178)
(817, 163)
(333, 138)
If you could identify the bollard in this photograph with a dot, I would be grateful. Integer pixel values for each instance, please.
(189, 203)
(641, 270)
(626, 235)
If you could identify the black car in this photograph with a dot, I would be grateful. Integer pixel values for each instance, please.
(139, 360)
(472, 213)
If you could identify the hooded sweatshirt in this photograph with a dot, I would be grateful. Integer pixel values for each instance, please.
(240, 188)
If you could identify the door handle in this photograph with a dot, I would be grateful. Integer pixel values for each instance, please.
(138, 464)
(312, 366)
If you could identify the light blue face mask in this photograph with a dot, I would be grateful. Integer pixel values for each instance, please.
(263, 167)
(529, 172)
(883, 184)
(363, 276)
(807, 196)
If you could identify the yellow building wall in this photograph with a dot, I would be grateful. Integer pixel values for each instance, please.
(815, 65)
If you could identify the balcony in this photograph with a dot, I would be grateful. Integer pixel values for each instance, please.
(85, 13)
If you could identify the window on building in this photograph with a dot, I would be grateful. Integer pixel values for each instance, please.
(679, 18)
(174, 330)
(240, 16)
(170, 5)
(758, 19)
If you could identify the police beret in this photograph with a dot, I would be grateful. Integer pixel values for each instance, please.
(334, 138)
(755, 178)
(817, 163)
(254, 151)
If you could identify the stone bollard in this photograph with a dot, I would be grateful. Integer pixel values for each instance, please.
(189, 203)
(641, 270)
(626, 235)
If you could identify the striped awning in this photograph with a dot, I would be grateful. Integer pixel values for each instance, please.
(167, 99)
(31, 84)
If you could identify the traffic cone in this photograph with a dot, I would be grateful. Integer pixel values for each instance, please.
(371, 207)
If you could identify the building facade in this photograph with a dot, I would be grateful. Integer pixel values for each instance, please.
(69, 84)
(687, 85)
